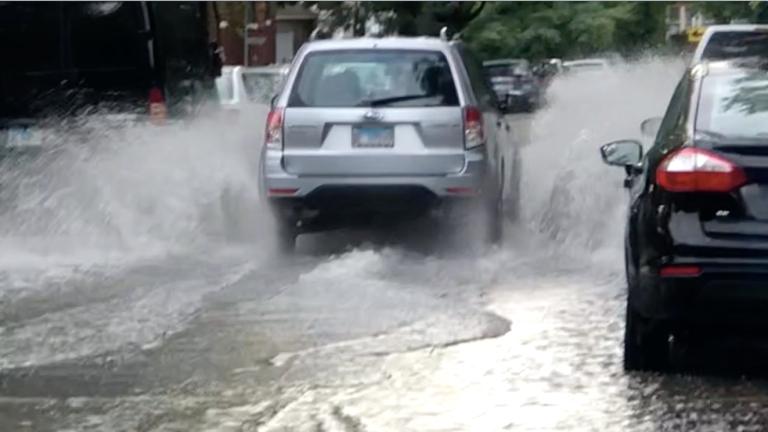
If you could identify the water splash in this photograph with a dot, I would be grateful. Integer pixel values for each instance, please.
(103, 192)
(568, 194)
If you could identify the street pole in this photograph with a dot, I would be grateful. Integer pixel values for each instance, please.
(246, 20)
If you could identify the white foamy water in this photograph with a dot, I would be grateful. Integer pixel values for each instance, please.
(568, 195)
(105, 195)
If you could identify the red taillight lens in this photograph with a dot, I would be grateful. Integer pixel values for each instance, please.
(158, 112)
(274, 134)
(680, 271)
(473, 127)
(696, 170)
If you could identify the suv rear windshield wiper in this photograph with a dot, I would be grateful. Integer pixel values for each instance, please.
(390, 100)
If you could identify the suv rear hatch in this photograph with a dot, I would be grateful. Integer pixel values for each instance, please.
(380, 112)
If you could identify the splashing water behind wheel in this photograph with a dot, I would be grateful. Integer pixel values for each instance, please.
(569, 196)
(102, 192)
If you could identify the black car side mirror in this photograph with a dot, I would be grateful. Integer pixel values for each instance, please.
(624, 153)
(273, 100)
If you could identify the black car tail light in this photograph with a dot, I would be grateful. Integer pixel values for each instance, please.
(693, 169)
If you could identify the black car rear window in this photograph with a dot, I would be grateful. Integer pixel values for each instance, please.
(364, 77)
(724, 45)
(734, 106)
(505, 70)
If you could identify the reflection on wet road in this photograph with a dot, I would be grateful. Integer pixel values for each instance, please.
(206, 334)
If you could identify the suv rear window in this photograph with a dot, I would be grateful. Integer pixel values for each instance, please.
(734, 105)
(357, 78)
(732, 44)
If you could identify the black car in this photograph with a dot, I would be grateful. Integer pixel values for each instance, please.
(151, 59)
(516, 87)
(697, 231)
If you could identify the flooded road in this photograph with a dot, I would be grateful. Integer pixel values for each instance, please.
(139, 293)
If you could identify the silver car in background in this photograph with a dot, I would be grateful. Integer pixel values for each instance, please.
(383, 128)
(727, 41)
(241, 85)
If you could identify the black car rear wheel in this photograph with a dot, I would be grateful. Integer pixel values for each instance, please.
(646, 343)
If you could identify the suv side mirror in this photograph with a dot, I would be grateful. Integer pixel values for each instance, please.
(625, 153)
(650, 127)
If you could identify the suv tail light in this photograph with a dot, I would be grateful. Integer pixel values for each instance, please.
(158, 111)
(274, 135)
(473, 127)
(692, 169)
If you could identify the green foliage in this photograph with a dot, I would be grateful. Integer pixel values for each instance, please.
(565, 29)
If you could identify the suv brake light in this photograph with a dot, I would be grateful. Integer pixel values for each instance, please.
(158, 112)
(473, 127)
(274, 134)
(693, 169)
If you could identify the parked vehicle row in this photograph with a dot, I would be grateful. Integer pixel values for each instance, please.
(514, 83)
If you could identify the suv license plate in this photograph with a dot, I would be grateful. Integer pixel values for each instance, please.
(373, 137)
(24, 137)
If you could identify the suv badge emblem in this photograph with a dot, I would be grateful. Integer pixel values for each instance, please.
(373, 115)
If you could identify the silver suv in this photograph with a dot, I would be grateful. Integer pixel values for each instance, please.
(383, 128)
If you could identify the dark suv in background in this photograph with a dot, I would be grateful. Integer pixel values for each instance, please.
(149, 59)
(515, 85)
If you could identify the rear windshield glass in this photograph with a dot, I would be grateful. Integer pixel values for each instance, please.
(354, 78)
(723, 45)
(505, 70)
(734, 106)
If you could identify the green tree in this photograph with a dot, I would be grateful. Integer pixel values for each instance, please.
(561, 29)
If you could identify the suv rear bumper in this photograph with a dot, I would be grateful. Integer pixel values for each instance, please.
(276, 182)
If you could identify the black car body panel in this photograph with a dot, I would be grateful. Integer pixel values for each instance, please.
(723, 235)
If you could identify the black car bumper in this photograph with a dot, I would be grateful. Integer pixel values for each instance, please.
(723, 292)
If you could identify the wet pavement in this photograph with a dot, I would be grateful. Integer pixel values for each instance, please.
(367, 331)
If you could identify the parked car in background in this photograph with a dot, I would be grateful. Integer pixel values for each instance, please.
(384, 129)
(240, 85)
(514, 83)
(586, 65)
(141, 60)
(696, 245)
(721, 42)
(546, 70)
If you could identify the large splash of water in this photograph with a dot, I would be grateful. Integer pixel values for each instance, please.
(103, 192)
(568, 194)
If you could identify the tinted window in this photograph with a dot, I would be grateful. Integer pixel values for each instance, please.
(31, 35)
(361, 77)
(723, 45)
(674, 118)
(735, 105)
(107, 35)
